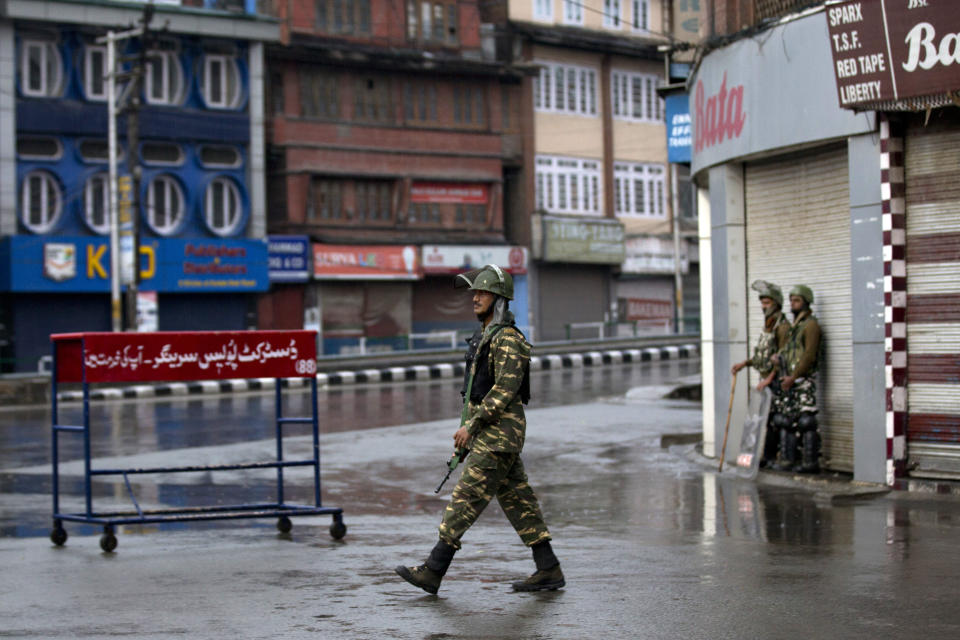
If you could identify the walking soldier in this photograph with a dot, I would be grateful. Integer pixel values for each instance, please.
(493, 429)
(771, 340)
(801, 355)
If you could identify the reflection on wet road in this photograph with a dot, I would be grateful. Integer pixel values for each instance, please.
(123, 428)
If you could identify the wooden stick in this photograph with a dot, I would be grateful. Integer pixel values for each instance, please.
(726, 429)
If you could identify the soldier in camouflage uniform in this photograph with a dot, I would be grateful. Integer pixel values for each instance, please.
(493, 429)
(801, 355)
(772, 339)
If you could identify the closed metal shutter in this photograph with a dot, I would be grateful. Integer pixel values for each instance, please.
(932, 175)
(798, 232)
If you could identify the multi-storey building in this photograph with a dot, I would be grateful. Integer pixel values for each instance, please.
(830, 159)
(395, 148)
(202, 215)
(602, 198)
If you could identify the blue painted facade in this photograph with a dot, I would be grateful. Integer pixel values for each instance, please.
(218, 292)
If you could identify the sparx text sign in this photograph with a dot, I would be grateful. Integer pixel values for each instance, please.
(893, 49)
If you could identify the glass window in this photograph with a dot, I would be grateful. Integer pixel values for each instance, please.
(96, 151)
(41, 69)
(641, 189)
(564, 88)
(319, 95)
(165, 208)
(567, 185)
(343, 17)
(222, 206)
(38, 147)
(161, 153)
(219, 156)
(220, 79)
(435, 22)
(96, 203)
(573, 12)
(163, 83)
(543, 10)
(611, 14)
(94, 72)
(641, 15)
(40, 201)
(640, 103)
(372, 99)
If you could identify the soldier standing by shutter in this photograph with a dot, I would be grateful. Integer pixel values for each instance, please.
(494, 428)
(771, 340)
(801, 357)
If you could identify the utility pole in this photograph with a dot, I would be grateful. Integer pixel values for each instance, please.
(125, 250)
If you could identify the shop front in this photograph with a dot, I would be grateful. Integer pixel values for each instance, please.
(363, 296)
(790, 194)
(282, 307)
(904, 65)
(575, 258)
(438, 307)
(645, 289)
(62, 284)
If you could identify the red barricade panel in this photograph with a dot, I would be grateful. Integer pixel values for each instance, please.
(183, 356)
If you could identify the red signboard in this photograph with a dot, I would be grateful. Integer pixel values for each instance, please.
(648, 309)
(893, 49)
(350, 262)
(189, 355)
(449, 192)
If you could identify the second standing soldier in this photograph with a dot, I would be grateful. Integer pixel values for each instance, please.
(801, 357)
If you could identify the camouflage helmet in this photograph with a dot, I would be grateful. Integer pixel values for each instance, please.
(803, 291)
(768, 290)
(488, 278)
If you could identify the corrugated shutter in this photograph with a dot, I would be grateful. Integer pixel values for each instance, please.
(932, 168)
(798, 232)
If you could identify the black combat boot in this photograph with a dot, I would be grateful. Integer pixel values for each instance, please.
(811, 453)
(429, 574)
(788, 451)
(770, 447)
(548, 577)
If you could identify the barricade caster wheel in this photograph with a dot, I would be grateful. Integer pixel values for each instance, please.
(338, 529)
(58, 536)
(108, 541)
(284, 525)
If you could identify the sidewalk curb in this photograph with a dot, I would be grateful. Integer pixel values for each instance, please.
(388, 374)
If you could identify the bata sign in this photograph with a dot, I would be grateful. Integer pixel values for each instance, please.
(894, 49)
(719, 115)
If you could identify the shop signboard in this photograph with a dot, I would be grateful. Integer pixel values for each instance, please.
(678, 127)
(449, 193)
(893, 49)
(187, 355)
(289, 258)
(366, 262)
(582, 240)
(775, 92)
(651, 255)
(78, 264)
(449, 259)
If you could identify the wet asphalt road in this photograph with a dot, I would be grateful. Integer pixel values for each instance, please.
(653, 542)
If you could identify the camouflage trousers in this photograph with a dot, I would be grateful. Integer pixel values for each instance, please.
(487, 475)
(801, 398)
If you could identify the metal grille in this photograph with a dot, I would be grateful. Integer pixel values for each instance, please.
(765, 9)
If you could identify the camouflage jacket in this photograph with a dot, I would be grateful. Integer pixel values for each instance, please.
(802, 349)
(498, 422)
(770, 342)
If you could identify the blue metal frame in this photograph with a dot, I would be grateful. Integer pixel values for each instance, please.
(219, 512)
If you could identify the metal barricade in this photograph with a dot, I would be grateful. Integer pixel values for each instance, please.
(90, 358)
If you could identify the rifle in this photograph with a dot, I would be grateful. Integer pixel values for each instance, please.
(452, 463)
(461, 453)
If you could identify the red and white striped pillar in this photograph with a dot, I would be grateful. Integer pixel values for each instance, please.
(892, 188)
